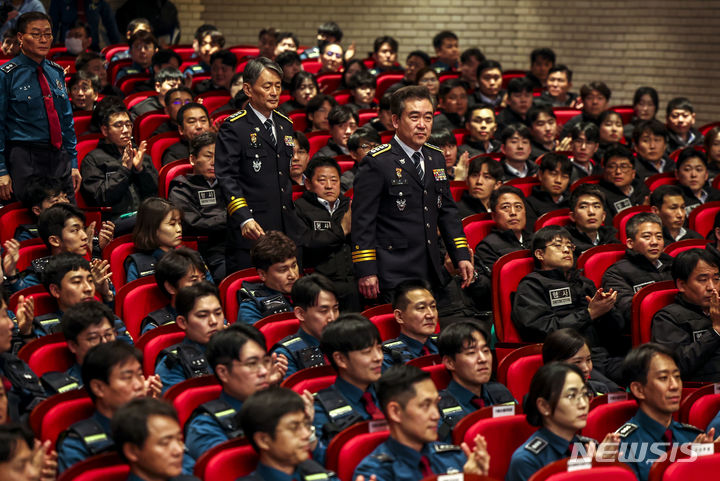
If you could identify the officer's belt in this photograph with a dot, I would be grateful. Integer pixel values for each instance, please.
(46, 146)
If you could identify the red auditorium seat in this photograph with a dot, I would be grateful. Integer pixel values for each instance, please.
(702, 217)
(700, 407)
(279, 327)
(191, 393)
(336, 445)
(47, 353)
(680, 246)
(608, 417)
(116, 252)
(646, 302)
(11, 217)
(517, 369)
(313, 379)
(563, 114)
(55, 414)
(299, 120)
(385, 80)
(111, 50)
(44, 302)
(355, 450)
(596, 260)
(665, 178)
(213, 100)
(599, 471)
(154, 341)
(366, 115)
(317, 141)
(458, 432)
(227, 461)
(146, 124)
(329, 82)
(703, 467)
(507, 273)
(384, 319)
(158, 144)
(135, 300)
(81, 123)
(621, 219)
(106, 467)
(510, 74)
(129, 82)
(228, 291)
(477, 227)
(439, 375)
(559, 217)
(168, 172)
(134, 99)
(590, 179)
(457, 187)
(30, 250)
(525, 184)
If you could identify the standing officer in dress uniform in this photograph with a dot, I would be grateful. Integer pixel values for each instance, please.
(402, 197)
(252, 165)
(37, 135)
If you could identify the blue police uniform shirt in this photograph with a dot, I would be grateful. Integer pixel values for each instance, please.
(266, 473)
(392, 461)
(643, 429)
(353, 396)
(73, 450)
(541, 449)
(301, 341)
(22, 109)
(150, 326)
(132, 269)
(249, 312)
(175, 374)
(411, 349)
(132, 69)
(75, 372)
(204, 432)
(200, 68)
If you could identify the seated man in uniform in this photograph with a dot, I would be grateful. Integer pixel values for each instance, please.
(352, 345)
(362, 141)
(238, 357)
(166, 79)
(668, 203)
(595, 97)
(452, 105)
(620, 183)
(680, 115)
(415, 310)
(541, 61)
(409, 400)
(316, 305)
(193, 120)
(587, 216)
(40, 194)
(482, 127)
(516, 151)
(650, 143)
(544, 130)
(519, 101)
(200, 315)
(22, 457)
(691, 171)
(690, 325)
(490, 91)
(177, 269)
(467, 356)
(651, 373)
(208, 40)
(584, 142)
(447, 51)
(149, 438)
(343, 121)
(112, 374)
(222, 68)
(174, 100)
(278, 426)
(483, 178)
(275, 258)
(143, 46)
(644, 263)
(552, 193)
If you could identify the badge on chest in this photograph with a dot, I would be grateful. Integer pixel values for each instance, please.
(622, 204)
(321, 225)
(560, 297)
(206, 198)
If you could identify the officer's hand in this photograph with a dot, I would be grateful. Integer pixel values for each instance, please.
(138, 155)
(478, 460)
(350, 51)
(601, 303)
(76, 179)
(5, 187)
(25, 312)
(715, 310)
(106, 234)
(362, 478)
(100, 271)
(608, 449)
(369, 287)
(467, 272)
(252, 230)
(564, 144)
(278, 368)
(461, 167)
(309, 402)
(153, 386)
(44, 460)
(12, 256)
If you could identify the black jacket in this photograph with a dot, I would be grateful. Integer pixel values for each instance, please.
(616, 200)
(674, 142)
(578, 172)
(645, 168)
(532, 169)
(541, 202)
(691, 201)
(445, 120)
(148, 105)
(330, 150)
(177, 151)
(468, 205)
(476, 148)
(689, 234)
(607, 234)
(507, 117)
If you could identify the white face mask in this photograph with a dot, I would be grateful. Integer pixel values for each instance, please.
(74, 45)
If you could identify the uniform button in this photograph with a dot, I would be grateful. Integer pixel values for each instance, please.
(425, 208)
(282, 189)
(277, 156)
(389, 248)
(428, 241)
(427, 225)
(425, 192)
(285, 208)
(280, 172)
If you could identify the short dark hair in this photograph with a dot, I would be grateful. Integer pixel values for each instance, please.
(552, 160)
(301, 140)
(587, 89)
(40, 188)
(679, 103)
(170, 93)
(283, 35)
(188, 296)
(519, 85)
(620, 152)
(472, 52)
(459, 336)
(168, 73)
(380, 41)
(657, 197)
(10, 436)
(61, 264)
(255, 67)
(340, 114)
(203, 29)
(202, 140)
(82, 60)
(654, 126)
(299, 78)
(163, 56)
(689, 153)
(316, 103)
(272, 248)
(21, 25)
(685, 263)
(502, 190)
(544, 236)
(400, 96)
(263, 410)
(547, 383)
(324, 46)
(225, 346)
(535, 111)
(642, 91)
(561, 68)
(636, 365)
(494, 168)
(226, 57)
(488, 64)
(321, 161)
(174, 265)
(150, 215)
(608, 113)
(590, 129)
(586, 189)
(101, 359)
(363, 134)
(136, 22)
(129, 424)
(362, 79)
(349, 332)
(420, 54)
(307, 289)
(84, 75)
(521, 129)
(192, 105)
(544, 53)
(562, 344)
(398, 384)
(476, 107)
(10, 33)
(83, 315)
(440, 37)
(447, 86)
(401, 291)
(288, 57)
(634, 223)
(111, 111)
(442, 137)
(331, 29)
(144, 37)
(52, 221)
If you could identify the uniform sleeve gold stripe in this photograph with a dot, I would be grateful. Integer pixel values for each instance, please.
(365, 260)
(240, 200)
(364, 251)
(364, 256)
(460, 239)
(232, 210)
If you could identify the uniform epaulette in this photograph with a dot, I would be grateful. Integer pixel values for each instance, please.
(626, 429)
(586, 439)
(536, 445)
(53, 64)
(383, 457)
(445, 448)
(283, 116)
(692, 428)
(237, 115)
(379, 149)
(9, 67)
(434, 147)
(316, 477)
(391, 344)
(290, 341)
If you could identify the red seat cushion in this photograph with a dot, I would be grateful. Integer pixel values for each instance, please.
(607, 418)
(521, 372)
(504, 435)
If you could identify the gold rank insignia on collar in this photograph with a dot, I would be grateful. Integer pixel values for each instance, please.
(434, 147)
(237, 115)
(283, 116)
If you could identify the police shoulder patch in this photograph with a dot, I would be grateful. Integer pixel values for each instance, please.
(391, 344)
(536, 445)
(9, 67)
(445, 448)
(383, 457)
(626, 429)
(379, 149)
(691, 428)
(434, 147)
(585, 439)
(283, 116)
(237, 115)
(53, 64)
(291, 341)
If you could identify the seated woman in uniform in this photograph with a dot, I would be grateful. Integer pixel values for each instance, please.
(610, 132)
(558, 403)
(568, 346)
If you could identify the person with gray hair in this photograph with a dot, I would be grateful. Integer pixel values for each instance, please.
(252, 160)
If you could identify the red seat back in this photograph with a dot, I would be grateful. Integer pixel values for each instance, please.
(457, 187)
(146, 124)
(227, 461)
(31, 250)
(153, 342)
(525, 184)
(607, 418)
(245, 50)
(680, 246)
(559, 217)
(47, 353)
(600, 473)
(317, 141)
(385, 80)
(704, 410)
(664, 178)
(134, 99)
(506, 275)
(507, 434)
(440, 376)
(521, 372)
(476, 227)
(81, 123)
(116, 252)
(596, 260)
(84, 147)
(510, 74)
(702, 217)
(213, 100)
(299, 120)
(313, 379)
(187, 395)
(115, 67)
(627, 112)
(563, 114)
(704, 467)
(158, 144)
(366, 116)
(621, 219)
(111, 50)
(329, 82)
(590, 179)
(646, 302)
(11, 217)
(387, 325)
(311, 65)
(44, 302)
(228, 291)
(168, 172)
(135, 300)
(275, 331)
(106, 466)
(128, 83)
(59, 413)
(355, 450)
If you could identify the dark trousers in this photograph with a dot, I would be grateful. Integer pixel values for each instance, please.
(28, 160)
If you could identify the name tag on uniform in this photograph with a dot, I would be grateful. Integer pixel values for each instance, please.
(206, 198)
(560, 297)
(439, 174)
(637, 287)
(622, 205)
(321, 225)
(108, 174)
(697, 335)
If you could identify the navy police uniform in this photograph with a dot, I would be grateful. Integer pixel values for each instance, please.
(642, 429)
(392, 461)
(157, 318)
(258, 301)
(308, 470)
(301, 350)
(543, 448)
(182, 361)
(83, 439)
(456, 402)
(254, 177)
(404, 348)
(25, 148)
(26, 392)
(396, 216)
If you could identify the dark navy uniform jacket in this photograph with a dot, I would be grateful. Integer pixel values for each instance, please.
(22, 110)
(404, 348)
(298, 349)
(392, 461)
(396, 217)
(72, 449)
(308, 470)
(642, 429)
